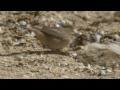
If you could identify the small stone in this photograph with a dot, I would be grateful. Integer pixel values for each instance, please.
(74, 54)
(23, 41)
(34, 70)
(64, 64)
(102, 72)
(46, 67)
(78, 58)
(75, 12)
(117, 14)
(9, 40)
(20, 42)
(101, 32)
(32, 34)
(1, 31)
(23, 23)
(109, 70)
(57, 25)
(96, 37)
(76, 30)
(26, 77)
(62, 70)
(6, 60)
(115, 65)
(64, 77)
(82, 67)
(20, 57)
(116, 37)
(89, 67)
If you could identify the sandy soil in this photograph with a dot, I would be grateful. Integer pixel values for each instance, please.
(23, 57)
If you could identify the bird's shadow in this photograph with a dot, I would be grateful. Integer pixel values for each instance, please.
(35, 52)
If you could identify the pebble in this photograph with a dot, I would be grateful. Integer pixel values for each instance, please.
(75, 12)
(58, 25)
(62, 70)
(19, 57)
(1, 31)
(115, 65)
(64, 77)
(76, 30)
(23, 23)
(32, 34)
(19, 42)
(82, 67)
(117, 14)
(102, 72)
(101, 32)
(116, 37)
(109, 70)
(74, 54)
(51, 19)
(9, 40)
(78, 58)
(96, 37)
(89, 67)
(64, 64)
(26, 77)
(46, 67)
(6, 60)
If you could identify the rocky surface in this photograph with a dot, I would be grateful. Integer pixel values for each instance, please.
(23, 56)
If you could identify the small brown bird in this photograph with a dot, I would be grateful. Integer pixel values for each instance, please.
(53, 37)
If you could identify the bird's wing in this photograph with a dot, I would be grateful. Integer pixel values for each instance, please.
(54, 32)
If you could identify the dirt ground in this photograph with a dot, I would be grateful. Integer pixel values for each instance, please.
(22, 56)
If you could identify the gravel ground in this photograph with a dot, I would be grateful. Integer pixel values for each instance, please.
(22, 56)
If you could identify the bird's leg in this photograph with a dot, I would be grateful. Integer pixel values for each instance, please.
(63, 51)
